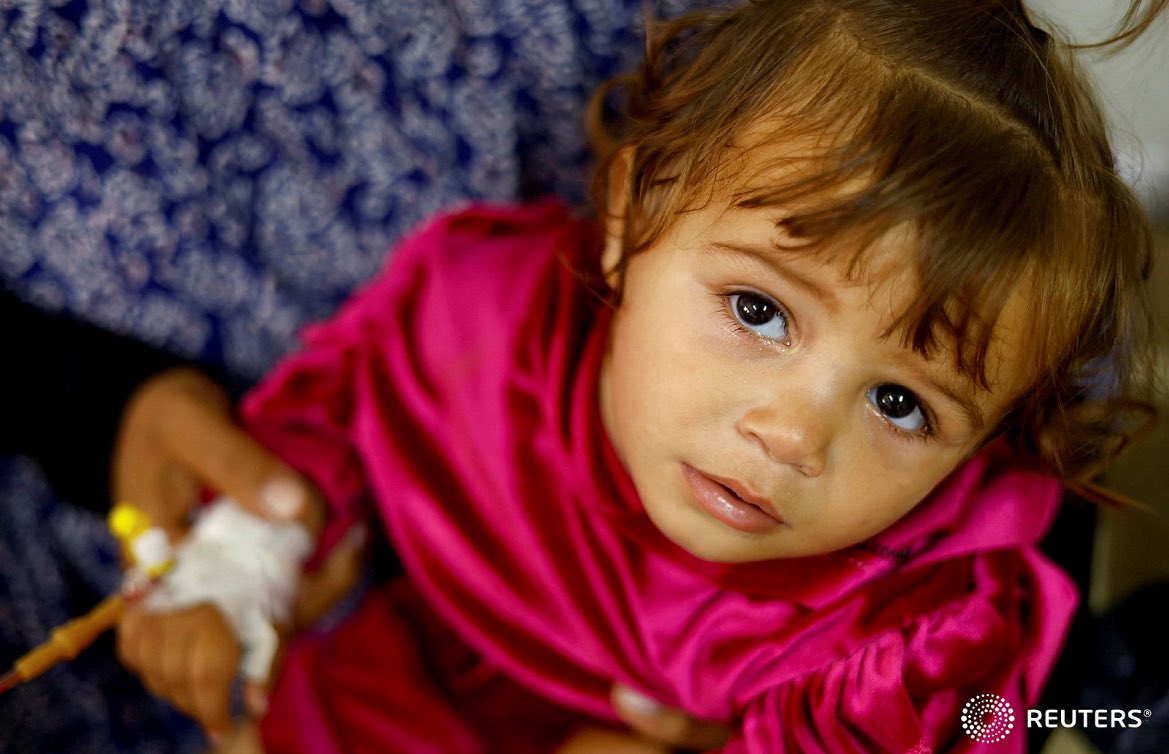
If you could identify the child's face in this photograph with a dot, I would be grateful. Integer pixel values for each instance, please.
(758, 410)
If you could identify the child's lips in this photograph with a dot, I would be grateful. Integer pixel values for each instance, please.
(730, 502)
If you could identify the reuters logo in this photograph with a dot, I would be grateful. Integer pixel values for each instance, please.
(988, 718)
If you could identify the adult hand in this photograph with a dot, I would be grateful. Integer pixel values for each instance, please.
(190, 656)
(187, 657)
(178, 436)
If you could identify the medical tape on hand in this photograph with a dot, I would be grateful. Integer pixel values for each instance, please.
(246, 566)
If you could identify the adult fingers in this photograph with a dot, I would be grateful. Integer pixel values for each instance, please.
(204, 437)
(179, 434)
(136, 642)
(245, 739)
(171, 666)
(661, 723)
(188, 657)
(144, 470)
(168, 494)
(212, 664)
(147, 646)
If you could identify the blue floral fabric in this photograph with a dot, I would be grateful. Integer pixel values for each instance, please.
(211, 175)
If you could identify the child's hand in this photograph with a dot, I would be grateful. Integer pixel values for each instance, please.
(189, 657)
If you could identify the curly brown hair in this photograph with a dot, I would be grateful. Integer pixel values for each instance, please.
(959, 119)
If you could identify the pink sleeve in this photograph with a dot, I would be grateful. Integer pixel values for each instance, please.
(303, 412)
(386, 360)
(308, 408)
(904, 690)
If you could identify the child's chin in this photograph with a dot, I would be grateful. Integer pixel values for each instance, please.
(711, 541)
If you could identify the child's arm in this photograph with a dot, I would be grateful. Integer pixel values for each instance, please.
(217, 613)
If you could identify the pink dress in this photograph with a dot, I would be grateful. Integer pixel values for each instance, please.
(455, 398)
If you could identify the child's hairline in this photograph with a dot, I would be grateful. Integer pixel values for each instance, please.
(868, 235)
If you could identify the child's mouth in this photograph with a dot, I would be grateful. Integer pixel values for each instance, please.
(727, 502)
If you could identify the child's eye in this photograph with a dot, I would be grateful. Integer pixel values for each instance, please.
(900, 406)
(759, 314)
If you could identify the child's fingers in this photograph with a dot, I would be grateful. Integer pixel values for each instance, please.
(245, 739)
(255, 692)
(256, 698)
(320, 590)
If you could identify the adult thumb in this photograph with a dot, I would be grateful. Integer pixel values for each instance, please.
(233, 463)
(250, 474)
(188, 417)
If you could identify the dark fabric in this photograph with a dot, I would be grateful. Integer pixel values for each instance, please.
(66, 385)
(1125, 662)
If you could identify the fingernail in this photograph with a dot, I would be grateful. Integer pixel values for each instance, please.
(256, 700)
(357, 536)
(636, 702)
(282, 498)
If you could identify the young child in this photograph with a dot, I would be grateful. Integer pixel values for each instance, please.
(774, 448)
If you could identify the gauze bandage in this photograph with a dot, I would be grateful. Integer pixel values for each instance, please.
(244, 565)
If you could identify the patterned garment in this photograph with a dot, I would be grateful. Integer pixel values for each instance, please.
(210, 175)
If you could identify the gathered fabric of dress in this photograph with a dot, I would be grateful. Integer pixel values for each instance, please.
(454, 399)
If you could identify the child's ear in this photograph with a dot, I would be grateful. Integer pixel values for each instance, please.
(616, 204)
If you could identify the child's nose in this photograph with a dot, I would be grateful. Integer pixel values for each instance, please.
(792, 431)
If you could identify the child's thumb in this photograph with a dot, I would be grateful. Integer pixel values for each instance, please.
(255, 698)
(256, 686)
(317, 593)
(322, 589)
